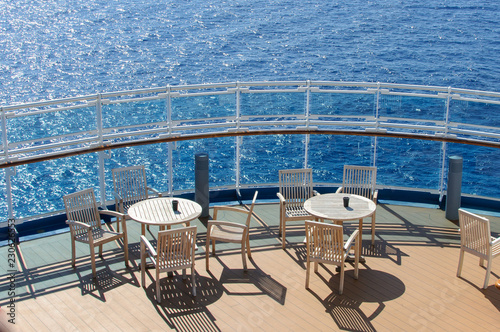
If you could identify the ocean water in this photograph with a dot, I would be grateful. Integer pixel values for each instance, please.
(55, 49)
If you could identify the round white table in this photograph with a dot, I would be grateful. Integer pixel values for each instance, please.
(159, 212)
(331, 207)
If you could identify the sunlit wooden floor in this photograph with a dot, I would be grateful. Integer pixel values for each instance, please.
(408, 283)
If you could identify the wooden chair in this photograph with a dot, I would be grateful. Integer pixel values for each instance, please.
(175, 251)
(325, 244)
(295, 187)
(84, 221)
(130, 187)
(476, 239)
(231, 232)
(361, 180)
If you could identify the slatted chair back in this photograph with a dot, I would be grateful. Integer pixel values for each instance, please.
(130, 185)
(475, 235)
(325, 243)
(296, 186)
(175, 249)
(250, 211)
(359, 180)
(82, 206)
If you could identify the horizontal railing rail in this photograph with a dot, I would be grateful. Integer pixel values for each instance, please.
(54, 129)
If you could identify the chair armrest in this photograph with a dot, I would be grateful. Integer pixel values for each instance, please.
(225, 223)
(351, 239)
(315, 193)
(119, 217)
(112, 213)
(228, 208)
(339, 190)
(494, 241)
(74, 223)
(156, 192)
(282, 199)
(149, 247)
(117, 196)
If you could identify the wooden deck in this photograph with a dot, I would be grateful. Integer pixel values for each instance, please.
(408, 283)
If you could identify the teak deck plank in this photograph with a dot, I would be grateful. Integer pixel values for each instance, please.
(407, 283)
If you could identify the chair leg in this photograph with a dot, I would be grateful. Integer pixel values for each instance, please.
(283, 235)
(341, 286)
(125, 249)
(158, 297)
(249, 252)
(92, 260)
(73, 253)
(207, 253)
(100, 251)
(308, 268)
(373, 229)
(281, 223)
(243, 258)
(487, 277)
(460, 263)
(143, 265)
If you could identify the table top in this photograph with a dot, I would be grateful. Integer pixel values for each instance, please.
(158, 211)
(331, 207)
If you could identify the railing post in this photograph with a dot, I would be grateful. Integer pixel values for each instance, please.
(102, 154)
(102, 175)
(99, 118)
(444, 146)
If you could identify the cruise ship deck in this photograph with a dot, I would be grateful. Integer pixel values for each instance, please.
(408, 283)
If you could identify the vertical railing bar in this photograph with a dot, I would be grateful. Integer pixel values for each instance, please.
(377, 123)
(5, 141)
(238, 139)
(308, 136)
(9, 172)
(171, 145)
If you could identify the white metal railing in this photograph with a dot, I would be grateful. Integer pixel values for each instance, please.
(92, 123)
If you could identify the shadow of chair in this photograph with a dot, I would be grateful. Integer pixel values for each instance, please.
(183, 312)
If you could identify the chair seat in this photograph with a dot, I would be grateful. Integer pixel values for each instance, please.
(495, 249)
(227, 233)
(292, 212)
(174, 263)
(320, 254)
(99, 235)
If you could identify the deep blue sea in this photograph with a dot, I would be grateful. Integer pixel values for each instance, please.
(63, 48)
